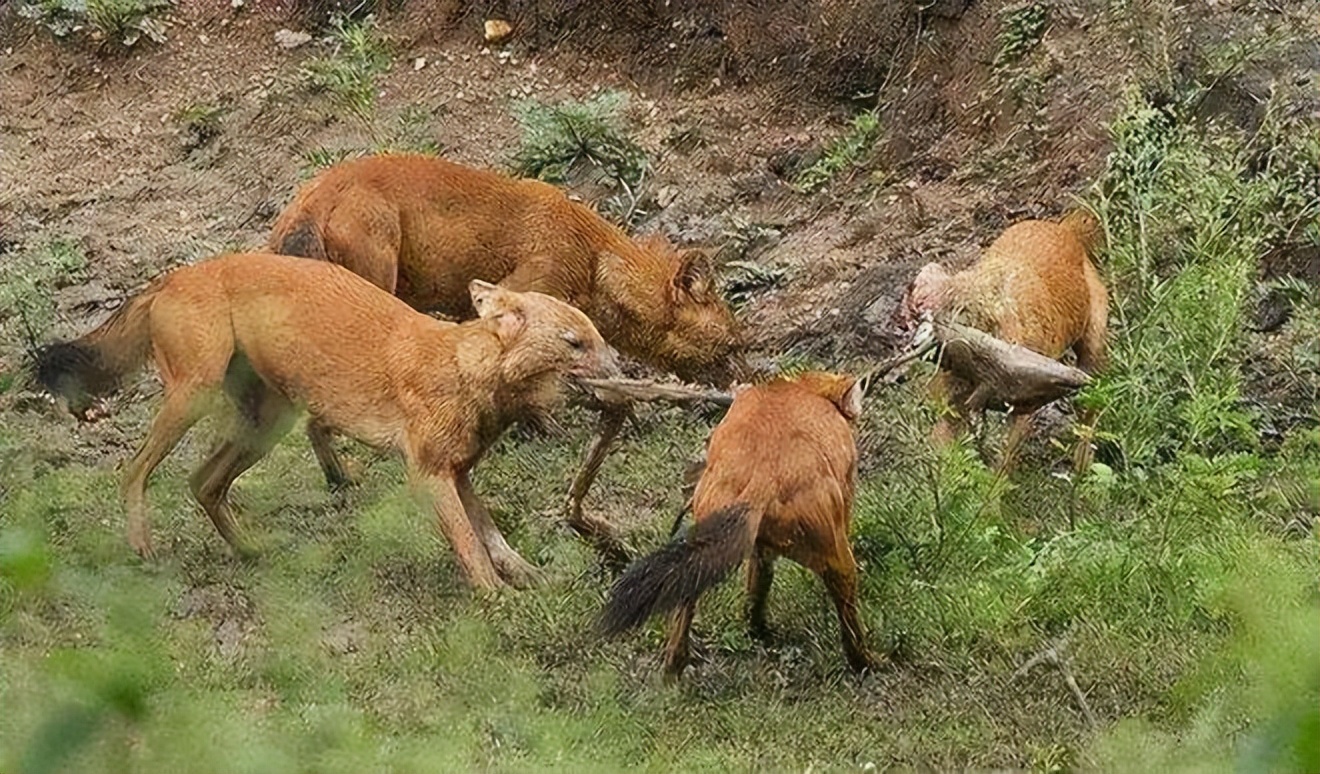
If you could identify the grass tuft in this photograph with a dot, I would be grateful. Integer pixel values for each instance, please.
(358, 55)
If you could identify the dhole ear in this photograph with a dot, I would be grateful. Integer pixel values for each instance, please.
(693, 275)
(850, 403)
(493, 302)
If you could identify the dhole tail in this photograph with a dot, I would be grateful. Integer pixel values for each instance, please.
(677, 574)
(302, 239)
(94, 366)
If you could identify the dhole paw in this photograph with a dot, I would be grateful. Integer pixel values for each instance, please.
(142, 546)
(346, 477)
(867, 663)
(518, 572)
(762, 634)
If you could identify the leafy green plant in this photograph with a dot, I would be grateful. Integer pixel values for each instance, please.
(201, 122)
(358, 54)
(1186, 220)
(27, 280)
(843, 153)
(1020, 30)
(121, 21)
(412, 133)
(320, 157)
(558, 138)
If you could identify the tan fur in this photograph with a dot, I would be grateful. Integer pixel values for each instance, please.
(1035, 286)
(779, 480)
(273, 332)
(422, 228)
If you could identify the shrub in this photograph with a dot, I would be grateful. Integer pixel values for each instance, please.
(348, 74)
(556, 137)
(121, 21)
(27, 281)
(843, 153)
(562, 139)
(1188, 211)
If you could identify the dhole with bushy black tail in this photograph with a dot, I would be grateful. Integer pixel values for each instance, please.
(268, 333)
(779, 480)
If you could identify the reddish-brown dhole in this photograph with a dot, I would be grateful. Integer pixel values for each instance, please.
(779, 480)
(1034, 286)
(270, 333)
(423, 228)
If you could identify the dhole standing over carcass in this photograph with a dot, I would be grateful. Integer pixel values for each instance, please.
(779, 479)
(274, 332)
(1034, 286)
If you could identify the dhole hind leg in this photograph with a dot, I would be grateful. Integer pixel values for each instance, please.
(177, 414)
(678, 644)
(1092, 357)
(839, 573)
(514, 569)
(760, 576)
(337, 476)
(267, 417)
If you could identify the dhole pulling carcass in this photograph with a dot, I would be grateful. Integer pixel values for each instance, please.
(1034, 286)
(779, 480)
(270, 333)
(422, 228)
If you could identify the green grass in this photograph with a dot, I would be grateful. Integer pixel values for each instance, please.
(1177, 577)
(201, 122)
(358, 55)
(28, 279)
(842, 154)
(562, 139)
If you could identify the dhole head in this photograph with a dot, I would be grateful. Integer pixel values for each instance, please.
(540, 333)
(702, 340)
(843, 390)
(923, 295)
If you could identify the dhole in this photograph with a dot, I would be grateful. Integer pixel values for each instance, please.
(422, 228)
(271, 332)
(779, 479)
(1035, 286)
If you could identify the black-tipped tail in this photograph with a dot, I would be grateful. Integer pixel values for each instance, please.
(678, 573)
(94, 365)
(303, 240)
(74, 371)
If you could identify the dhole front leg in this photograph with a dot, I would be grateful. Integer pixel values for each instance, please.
(473, 559)
(1019, 430)
(597, 531)
(510, 565)
(332, 465)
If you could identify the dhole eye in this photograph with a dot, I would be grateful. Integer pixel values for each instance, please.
(573, 341)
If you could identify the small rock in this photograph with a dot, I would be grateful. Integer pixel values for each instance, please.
(497, 30)
(291, 39)
(419, 63)
(666, 196)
